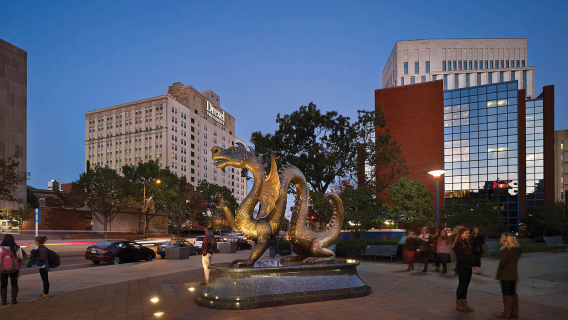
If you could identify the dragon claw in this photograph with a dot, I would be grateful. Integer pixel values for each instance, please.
(241, 262)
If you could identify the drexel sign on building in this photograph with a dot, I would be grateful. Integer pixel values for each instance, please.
(217, 115)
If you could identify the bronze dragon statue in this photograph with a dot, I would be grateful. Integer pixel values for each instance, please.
(272, 190)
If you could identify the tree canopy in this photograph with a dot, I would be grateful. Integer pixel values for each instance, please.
(410, 204)
(362, 208)
(550, 220)
(208, 190)
(9, 178)
(472, 213)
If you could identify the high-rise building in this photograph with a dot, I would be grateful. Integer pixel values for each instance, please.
(13, 112)
(460, 63)
(491, 141)
(177, 129)
(560, 164)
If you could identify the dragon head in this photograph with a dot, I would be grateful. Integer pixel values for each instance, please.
(237, 156)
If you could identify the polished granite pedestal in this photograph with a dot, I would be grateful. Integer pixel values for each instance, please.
(271, 283)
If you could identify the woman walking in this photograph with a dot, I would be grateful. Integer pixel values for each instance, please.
(464, 259)
(425, 247)
(507, 274)
(410, 250)
(10, 257)
(477, 241)
(39, 257)
(453, 254)
(443, 249)
(209, 246)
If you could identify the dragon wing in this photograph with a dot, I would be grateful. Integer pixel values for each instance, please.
(270, 190)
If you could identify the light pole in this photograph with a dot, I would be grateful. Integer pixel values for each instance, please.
(437, 174)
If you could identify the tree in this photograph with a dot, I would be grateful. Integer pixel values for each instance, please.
(21, 215)
(285, 224)
(145, 175)
(410, 204)
(378, 151)
(107, 193)
(473, 212)
(208, 190)
(9, 179)
(320, 145)
(362, 209)
(184, 205)
(550, 220)
(66, 212)
(32, 199)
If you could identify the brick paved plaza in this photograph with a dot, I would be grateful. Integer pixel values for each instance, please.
(124, 292)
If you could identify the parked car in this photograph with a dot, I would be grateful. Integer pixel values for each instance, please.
(175, 243)
(117, 252)
(199, 241)
(242, 244)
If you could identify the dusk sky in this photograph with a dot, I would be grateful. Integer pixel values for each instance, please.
(262, 58)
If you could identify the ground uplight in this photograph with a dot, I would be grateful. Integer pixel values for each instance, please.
(159, 314)
(191, 289)
(154, 300)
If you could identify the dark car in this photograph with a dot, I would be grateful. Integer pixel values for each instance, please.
(117, 252)
(175, 243)
(242, 244)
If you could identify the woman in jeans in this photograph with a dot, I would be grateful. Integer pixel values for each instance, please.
(209, 247)
(443, 250)
(477, 241)
(507, 274)
(8, 243)
(39, 257)
(465, 260)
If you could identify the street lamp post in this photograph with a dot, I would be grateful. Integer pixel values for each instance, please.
(437, 174)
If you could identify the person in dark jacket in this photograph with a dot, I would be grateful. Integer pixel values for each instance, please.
(8, 243)
(435, 250)
(507, 274)
(425, 247)
(209, 247)
(410, 250)
(477, 241)
(272, 246)
(39, 257)
(465, 260)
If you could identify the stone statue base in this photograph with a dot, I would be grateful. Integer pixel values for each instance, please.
(271, 283)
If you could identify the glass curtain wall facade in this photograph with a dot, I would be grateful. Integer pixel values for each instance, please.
(535, 152)
(481, 146)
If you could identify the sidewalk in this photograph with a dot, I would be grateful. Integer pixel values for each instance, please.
(124, 292)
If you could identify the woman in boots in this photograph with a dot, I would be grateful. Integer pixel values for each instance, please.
(477, 241)
(16, 256)
(507, 274)
(465, 260)
(425, 248)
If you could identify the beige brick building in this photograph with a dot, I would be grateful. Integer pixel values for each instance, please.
(13, 112)
(178, 129)
(560, 164)
(460, 63)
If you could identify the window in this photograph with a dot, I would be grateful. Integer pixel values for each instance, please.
(490, 78)
(512, 63)
(427, 66)
(467, 80)
(401, 81)
(416, 67)
(411, 80)
(501, 76)
(406, 68)
(475, 64)
(486, 64)
(459, 65)
(434, 78)
(491, 64)
(507, 64)
(456, 81)
(525, 80)
(423, 79)
(444, 65)
(445, 82)
(523, 63)
(455, 65)
(479, 79)
(470, 65)
(465, 65)
(502, 64)
(513, 75)
(518, 64)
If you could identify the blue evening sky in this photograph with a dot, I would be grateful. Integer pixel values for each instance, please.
(261, 58)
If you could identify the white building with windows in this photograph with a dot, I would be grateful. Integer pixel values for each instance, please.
(178, 129)
(460, 63)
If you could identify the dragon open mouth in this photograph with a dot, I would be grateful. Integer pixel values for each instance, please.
(219, 162)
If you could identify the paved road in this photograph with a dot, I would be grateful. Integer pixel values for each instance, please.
(72, 257)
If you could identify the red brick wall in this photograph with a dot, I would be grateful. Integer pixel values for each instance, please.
(415, 118)
(548, 103)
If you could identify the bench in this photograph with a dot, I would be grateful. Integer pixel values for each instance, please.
(493, 246)
(555, 242)
(380, 251)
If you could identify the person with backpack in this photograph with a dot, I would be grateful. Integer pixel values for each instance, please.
(10, 257)
(40, 257)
